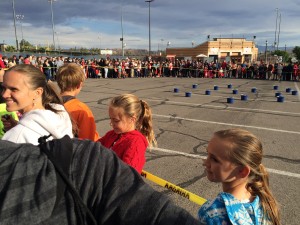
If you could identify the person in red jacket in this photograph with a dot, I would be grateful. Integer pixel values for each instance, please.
(131, 120)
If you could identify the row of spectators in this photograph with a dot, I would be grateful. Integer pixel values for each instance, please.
(130, 67)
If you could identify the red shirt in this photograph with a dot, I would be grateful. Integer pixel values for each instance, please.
(2, 65)
(130, 147)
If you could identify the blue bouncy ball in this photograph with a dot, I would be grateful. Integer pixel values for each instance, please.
(176, 90)
(188, 94)
(294, 92)
(244, 97)
(275, 87)
(230, 100)
(253, 90)
(229, 85)
(277, 94)
(195, 86)
(216, 88)
(280, 98)
(207, 92)
(288, 90)
(235, 91)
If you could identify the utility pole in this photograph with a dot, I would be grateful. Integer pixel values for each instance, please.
(14, 16)
(51, 4)
(149, 1)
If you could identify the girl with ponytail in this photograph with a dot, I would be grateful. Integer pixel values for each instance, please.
(235, 160)
(132, 133)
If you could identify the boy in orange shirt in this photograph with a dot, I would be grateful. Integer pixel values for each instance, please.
(70, 78)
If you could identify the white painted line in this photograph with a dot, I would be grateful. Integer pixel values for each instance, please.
(279, 172)
(227, 124)
(229, 107)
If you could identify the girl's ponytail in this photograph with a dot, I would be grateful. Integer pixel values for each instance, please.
(51, 95)
(144, 124)
(259, 186)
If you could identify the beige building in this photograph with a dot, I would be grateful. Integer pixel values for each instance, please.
(238, 49)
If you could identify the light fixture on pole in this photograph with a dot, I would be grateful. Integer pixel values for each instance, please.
(149, 1)
(14, 16)
(20, 19)
(51, 4)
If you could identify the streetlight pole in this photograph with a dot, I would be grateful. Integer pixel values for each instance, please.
(266, 51)
(58, 45)
(20, 19)
(51, 3)
(149, 1)
(122, 38)
(275, 41)
(99, 45)
(278, 30)
(14, 15)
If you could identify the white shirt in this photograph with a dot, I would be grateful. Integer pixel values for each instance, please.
(41, 122)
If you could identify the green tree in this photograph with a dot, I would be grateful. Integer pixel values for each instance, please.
(285, 55)
(25, 45)
(296, 51)
(10, 48)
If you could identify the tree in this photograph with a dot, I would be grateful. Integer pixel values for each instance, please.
(296, 51)
(285, 55)
(10, 48)
(26, 45)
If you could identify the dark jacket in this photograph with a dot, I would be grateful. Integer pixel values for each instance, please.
(114, 192)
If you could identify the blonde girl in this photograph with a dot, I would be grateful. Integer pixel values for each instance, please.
(235, 160)
(131, 120)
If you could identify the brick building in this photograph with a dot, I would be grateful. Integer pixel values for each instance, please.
(238, 49)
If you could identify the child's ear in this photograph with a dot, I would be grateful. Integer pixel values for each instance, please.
(133, 119)
(80, 85)
(39, 91)
(244, 171)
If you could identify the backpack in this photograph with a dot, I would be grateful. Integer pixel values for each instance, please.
(61, 159)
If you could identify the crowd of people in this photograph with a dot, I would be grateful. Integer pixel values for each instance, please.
(113, 192)
(169, 67)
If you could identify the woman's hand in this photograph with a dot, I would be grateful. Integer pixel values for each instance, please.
(8, 122)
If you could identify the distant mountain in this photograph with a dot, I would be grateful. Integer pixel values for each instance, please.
(271, 48)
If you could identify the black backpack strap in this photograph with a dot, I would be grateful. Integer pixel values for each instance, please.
(67, 98)
(61, 157)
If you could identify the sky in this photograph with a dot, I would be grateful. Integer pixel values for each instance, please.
(173, 23)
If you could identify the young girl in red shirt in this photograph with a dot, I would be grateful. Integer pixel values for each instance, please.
(131, 120)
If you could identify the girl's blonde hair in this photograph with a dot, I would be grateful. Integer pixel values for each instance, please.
(247, 150)
(133, 106)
